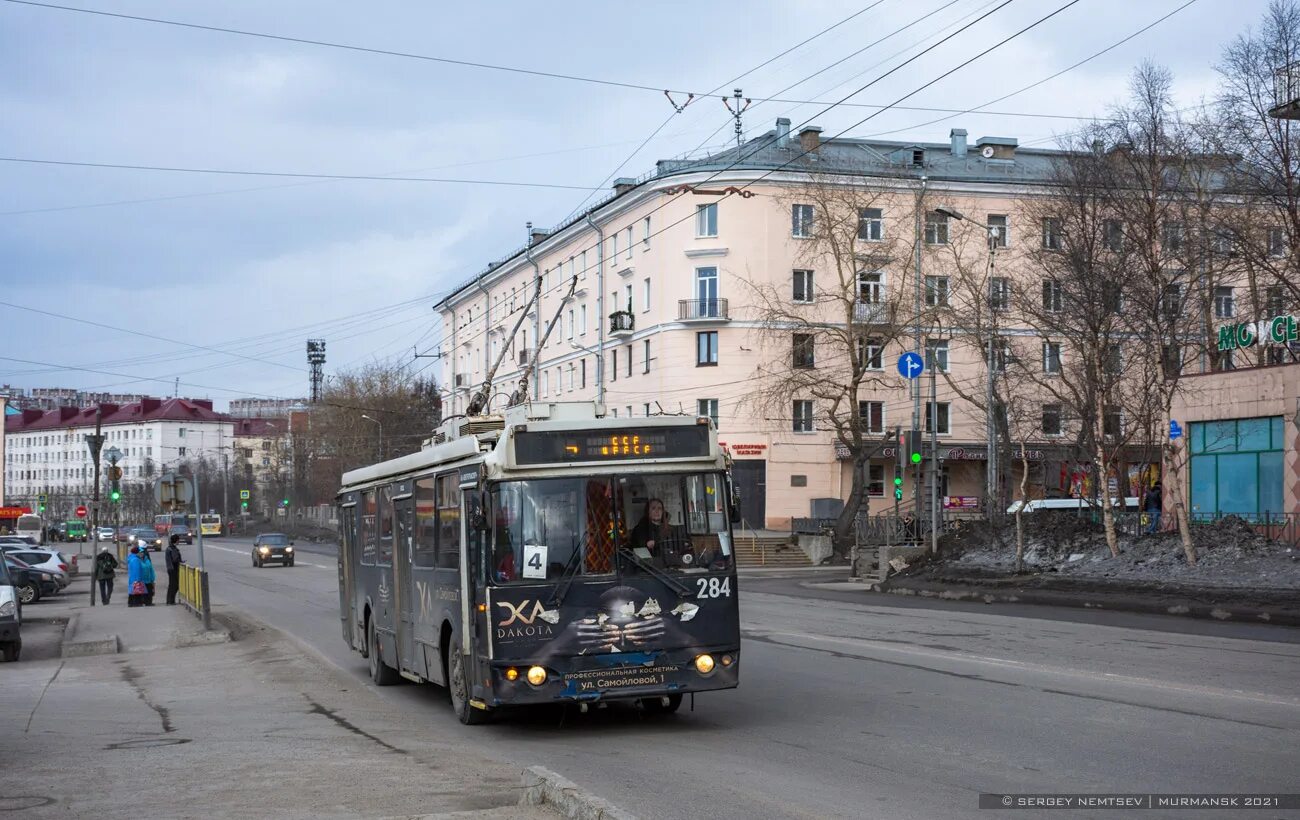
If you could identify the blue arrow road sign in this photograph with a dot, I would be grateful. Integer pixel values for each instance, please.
(910, 365)
(1175, 430)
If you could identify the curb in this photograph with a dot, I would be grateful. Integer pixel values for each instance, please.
(1167, 605)
(544, 787)
(80, 649)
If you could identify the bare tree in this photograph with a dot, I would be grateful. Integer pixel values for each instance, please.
(828, 326)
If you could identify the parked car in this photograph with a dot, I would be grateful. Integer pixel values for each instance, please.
(11, 617)
(20, 540)
(1034, 504)
(45, 560)
(30, 584)
(272, 546)
(183, 532)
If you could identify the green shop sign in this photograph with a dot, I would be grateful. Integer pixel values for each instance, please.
(1279, 330)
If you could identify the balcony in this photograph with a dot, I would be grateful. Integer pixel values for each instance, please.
(1286, 93)
(870, 313)
(702, 310)
(621, 323)
(525, 356)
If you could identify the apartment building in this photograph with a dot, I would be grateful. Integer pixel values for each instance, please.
(263, 459)
(46, 452)
(660, 300)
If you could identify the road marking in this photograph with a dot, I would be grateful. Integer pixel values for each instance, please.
(1008, 663)
(241, 552)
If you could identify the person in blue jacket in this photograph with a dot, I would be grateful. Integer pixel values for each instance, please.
(135, 587)
(147, 575)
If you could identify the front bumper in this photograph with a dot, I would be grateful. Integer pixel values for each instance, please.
(9, 630)
(612, 677)
(276, 555)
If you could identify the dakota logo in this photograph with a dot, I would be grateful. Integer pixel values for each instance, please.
(517, 612)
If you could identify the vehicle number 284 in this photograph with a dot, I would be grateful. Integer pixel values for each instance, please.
(713, 588)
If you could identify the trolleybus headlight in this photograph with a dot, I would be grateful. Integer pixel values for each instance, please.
(512, 674)
(536, 675)
(726, 660)
(704, 664)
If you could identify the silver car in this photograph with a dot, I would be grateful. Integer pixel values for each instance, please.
(46, 561)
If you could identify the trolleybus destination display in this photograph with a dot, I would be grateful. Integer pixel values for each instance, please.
(560, 447)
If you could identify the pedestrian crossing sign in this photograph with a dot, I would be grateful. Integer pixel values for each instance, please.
(243, 495)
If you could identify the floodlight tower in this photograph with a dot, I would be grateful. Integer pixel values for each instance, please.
(316, 358)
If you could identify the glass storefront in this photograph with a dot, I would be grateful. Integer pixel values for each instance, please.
(1237, 466)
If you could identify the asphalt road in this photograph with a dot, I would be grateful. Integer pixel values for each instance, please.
(867, 706)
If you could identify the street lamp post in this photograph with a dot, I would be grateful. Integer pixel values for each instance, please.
(381, 433)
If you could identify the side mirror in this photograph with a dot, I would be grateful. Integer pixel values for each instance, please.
(479, 519)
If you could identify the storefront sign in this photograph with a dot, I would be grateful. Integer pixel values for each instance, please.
(842, 453)
(745, 449)
(1279, 330)
(13, 512)
(961, 502)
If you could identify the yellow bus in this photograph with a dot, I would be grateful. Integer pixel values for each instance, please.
(210, 524)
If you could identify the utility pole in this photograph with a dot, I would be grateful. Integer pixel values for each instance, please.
(95, 443)
(934, 461)
(736, 114)
(991, 478)
(920, 351)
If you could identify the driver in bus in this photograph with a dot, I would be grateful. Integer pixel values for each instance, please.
(656, 539)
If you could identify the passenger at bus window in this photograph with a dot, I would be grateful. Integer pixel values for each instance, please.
(663, 541)
(503, 558)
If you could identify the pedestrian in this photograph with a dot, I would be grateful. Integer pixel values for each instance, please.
(1153, 503)
(174, 561)
(135, 587)
(105, 569)
(147, 575)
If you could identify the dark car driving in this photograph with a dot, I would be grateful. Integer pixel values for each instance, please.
(181, 531)
(272, 546)
(146, 537)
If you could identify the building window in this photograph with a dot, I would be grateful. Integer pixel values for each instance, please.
(645, 232)
(1276, 242)
(1172, 236)
(1051, 233)
(645, 410)
(613, 365)
(804, 351)
(582, 373)
(1000, 354)
(1051, 419)
(871, 287)
(180, 432)
(1171, 301)
(936, 291)
(803, 286)
(1113, 361)
(180, 451)
(627, 294)
(1112, 234)
(936, 354)
(1237, 466)
(629, 361)
(876, 480)
(1171, 360)
(1275, 301)
(803, 415)
(801, 221)
(1225, 306)
(645, 295)
(872, 416)
(870, 353)
(707, 408)
(645, 355)
(871, 225)
(706, 348)
(1052, 357)
(939, 409)
(572, 322)
(936, 229)
(999, 293)
(582, 321)
(706, 220)
(706, 292)
(613, 255)
(1112, 422)
(1052, 296)
(798, 481)
(999, 237)
(546, 382)
(630, 243)
(1112, 296)
(570, 375)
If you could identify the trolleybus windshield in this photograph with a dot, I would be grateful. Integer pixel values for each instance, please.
(674, 522)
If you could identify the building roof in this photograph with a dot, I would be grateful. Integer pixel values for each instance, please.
(260, 428)
(141, 411)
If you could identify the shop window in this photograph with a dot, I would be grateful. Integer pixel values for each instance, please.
(798, 481)
(1236, 467)
(876, 480)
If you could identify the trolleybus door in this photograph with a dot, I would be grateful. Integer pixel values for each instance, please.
(347, 548)
(403, 553)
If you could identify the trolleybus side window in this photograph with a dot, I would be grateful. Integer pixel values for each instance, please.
(426, 524)
(449, 521)
(368, 531)
(385, 526)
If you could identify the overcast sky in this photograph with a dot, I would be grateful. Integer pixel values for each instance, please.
(256, 265)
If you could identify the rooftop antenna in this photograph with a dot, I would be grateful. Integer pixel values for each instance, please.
(736, 112)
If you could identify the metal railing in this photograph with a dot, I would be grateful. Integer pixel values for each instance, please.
(871, 313)
(193, 593)
(621, 321)
(688, 309)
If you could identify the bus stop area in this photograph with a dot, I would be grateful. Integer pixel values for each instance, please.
(252, 725)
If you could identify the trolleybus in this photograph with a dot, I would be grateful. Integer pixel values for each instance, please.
(546, 556)
(210, 525)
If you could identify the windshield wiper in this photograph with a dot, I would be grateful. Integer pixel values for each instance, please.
(650, 569)
(561, 587)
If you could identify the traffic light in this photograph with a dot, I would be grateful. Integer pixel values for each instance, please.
(42, 507)
(243, 505)
(115, 492)
(285, 502)
(914, 439)
(898, 483)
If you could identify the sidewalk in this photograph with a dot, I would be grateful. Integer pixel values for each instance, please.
(247, 729)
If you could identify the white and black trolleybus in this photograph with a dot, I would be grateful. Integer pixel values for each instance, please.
(546, 556)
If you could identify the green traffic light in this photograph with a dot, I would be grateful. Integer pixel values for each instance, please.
(898, 481)
(916, 458)
(898, 493)
(115, 496)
